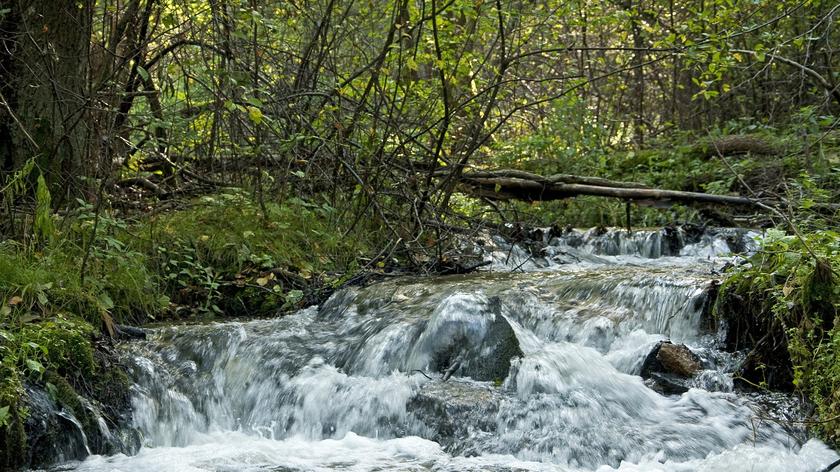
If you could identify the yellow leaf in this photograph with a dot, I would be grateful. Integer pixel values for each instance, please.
(255, 114)
(16, 300)
(262, 281)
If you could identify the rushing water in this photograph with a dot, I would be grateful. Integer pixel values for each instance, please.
(544, 354)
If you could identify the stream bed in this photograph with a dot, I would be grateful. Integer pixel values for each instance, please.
(534, 364)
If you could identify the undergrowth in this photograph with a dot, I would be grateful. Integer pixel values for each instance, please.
(227, 254)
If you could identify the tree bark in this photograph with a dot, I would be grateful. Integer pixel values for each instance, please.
(44, 65)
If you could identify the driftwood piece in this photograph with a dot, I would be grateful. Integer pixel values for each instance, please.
(519, 185)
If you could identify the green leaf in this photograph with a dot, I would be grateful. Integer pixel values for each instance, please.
(105, 301)
(294, 296)
(4, 415)
(35, 366)
(144, 74)
(52, 391)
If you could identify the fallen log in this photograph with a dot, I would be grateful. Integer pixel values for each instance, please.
(519, 185)
(551, 179)
(733, 145)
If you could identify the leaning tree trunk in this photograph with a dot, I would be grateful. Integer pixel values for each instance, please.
(43, 81)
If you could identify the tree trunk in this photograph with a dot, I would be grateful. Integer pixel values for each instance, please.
(44, 63)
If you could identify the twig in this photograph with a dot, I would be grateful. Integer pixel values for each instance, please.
(17, 121)
(831, 466)
(423, 373)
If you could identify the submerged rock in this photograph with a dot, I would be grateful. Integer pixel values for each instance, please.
(488, 360)
(456, 409)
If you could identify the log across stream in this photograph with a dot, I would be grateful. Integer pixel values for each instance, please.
(548, 375)
(510, 184)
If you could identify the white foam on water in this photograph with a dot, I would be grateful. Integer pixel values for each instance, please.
(232, 451)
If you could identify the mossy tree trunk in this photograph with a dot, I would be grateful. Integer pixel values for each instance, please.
(44, 86)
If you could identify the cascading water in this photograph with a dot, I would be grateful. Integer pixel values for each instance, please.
(532, 366)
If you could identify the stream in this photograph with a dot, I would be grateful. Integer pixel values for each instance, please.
(533, 364)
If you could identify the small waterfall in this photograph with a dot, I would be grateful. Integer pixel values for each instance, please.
(529, 369)
(681, 245)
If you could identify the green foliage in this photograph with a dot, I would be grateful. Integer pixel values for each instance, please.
(63, 345)
(39, 285)
(15, 185)
(795, 163)
(791, 289)
(119, 277)
(228, 243)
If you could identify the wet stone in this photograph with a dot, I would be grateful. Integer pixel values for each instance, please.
(53, 434)
(456, 409)
(678, 359)
(490, 360)
(668, 367)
